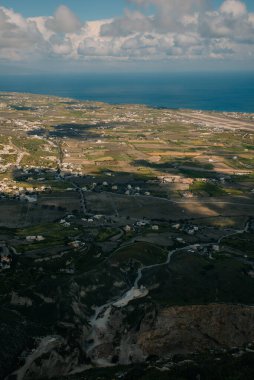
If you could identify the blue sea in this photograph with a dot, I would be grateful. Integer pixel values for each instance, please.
(232, 91)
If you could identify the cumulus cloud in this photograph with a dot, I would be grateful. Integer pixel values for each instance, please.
(195, 28)
(18, 36)
(232, 21)
(177, 29)
(171, 15)
(132, 22)
(63, 21)
(233, 7)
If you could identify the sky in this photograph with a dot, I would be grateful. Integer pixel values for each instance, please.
(126, 35)
(86, 9)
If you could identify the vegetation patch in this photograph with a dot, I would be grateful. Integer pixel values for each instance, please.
(213, 190)
(144, 253)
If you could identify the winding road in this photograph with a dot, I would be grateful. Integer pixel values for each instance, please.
(99, 320)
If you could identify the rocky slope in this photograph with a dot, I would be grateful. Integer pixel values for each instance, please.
(136, 333)
(141, 331)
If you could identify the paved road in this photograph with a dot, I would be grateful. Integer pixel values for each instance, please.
(216, 121)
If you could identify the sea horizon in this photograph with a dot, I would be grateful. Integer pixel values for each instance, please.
(211, 91)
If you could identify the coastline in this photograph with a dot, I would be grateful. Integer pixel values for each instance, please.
(194, 91)
(4, 93)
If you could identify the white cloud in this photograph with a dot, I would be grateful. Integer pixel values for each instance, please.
(178, 29)
(233, 7)
(18, 36)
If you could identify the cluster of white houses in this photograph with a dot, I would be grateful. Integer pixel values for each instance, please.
(9, 188)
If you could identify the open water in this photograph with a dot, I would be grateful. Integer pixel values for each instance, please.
(232, 91)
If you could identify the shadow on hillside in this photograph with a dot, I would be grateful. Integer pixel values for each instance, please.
(184, 168)
(75, 131)
(72, 131)
(121, 195)
(115, 194)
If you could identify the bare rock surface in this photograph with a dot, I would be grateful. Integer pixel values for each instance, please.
(192, 328)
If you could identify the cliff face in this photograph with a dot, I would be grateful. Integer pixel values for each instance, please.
(179, 329)
(197, 328)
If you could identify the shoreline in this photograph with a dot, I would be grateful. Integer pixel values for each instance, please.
(155, 107)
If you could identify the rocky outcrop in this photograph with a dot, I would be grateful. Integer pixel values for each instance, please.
(186, 329)
(52, 358)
